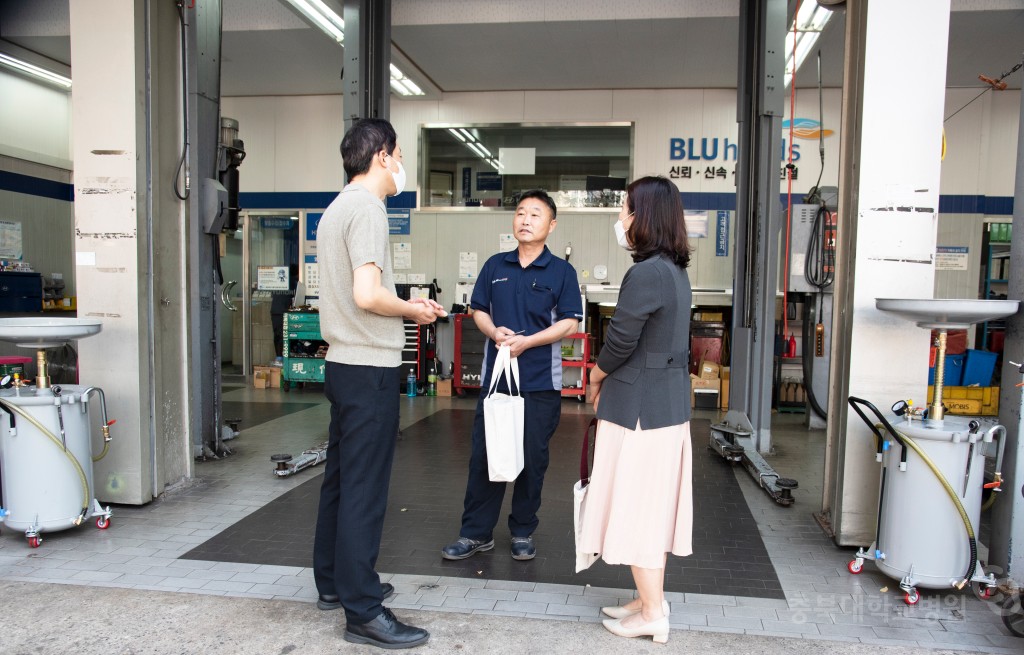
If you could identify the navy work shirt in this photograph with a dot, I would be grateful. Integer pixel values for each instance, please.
(530, 299)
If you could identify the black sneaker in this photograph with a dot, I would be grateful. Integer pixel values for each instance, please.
(523, 548)
(386, 631)
(463, 548)
(332, 602)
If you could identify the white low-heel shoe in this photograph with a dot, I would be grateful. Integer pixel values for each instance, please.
(619, 612)
(658, 629)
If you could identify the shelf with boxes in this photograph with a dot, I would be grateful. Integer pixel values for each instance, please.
(995, 282)
(788, 393)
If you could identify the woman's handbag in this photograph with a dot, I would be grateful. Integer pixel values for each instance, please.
(503, 421)
(579, 495)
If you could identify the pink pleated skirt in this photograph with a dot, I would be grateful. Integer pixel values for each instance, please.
(640, 503)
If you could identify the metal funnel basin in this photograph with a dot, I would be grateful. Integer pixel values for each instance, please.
(39, 332)
(951, 314)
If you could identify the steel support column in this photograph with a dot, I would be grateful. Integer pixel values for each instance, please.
(366, 78)
(202, 64)
(759, 111)
(1007, 548)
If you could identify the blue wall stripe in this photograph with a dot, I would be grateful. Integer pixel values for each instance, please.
(711, 201)
(36, 186)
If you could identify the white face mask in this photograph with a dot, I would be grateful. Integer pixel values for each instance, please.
(620, 235)
(399, 176)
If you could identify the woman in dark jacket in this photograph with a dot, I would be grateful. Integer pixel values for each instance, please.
(639, 504)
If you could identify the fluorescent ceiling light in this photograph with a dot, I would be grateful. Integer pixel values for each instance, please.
(476, 149)
(413, 88)
(457, 135)
(322, 16)
(34, 71)
(467, 134)
(808, 24)
(486, 151)
(402, 84)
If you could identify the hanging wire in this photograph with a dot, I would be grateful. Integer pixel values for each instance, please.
(997, 81)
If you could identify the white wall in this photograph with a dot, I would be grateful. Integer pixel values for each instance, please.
(35, 122)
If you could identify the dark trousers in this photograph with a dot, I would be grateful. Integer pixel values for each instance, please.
(354, 494)
(542, 411)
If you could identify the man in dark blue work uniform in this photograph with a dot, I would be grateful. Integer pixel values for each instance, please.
(529, 300)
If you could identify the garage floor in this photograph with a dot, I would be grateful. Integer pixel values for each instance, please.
(758, 569)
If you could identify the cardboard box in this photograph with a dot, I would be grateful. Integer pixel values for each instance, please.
(704, 385)
(723, 397)
(444, 388)
(705, 399)
(266, 377)
(709, 370)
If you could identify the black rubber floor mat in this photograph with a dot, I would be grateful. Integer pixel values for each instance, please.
(425, 509)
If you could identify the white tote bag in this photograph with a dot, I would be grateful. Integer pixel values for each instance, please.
(579, 501)
(503, 421)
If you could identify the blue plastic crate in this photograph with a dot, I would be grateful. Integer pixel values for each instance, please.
(953, 374)
(979, 366)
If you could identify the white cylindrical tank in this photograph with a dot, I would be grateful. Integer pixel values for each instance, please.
(42, 488)
(921, 534)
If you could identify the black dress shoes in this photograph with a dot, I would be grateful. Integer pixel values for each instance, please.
(386, 631)
(463, 548)
(332, 602)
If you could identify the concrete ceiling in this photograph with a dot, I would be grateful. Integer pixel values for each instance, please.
(497, 45)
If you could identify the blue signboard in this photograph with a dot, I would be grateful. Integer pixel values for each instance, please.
(722, 234)
(399, 221)
(467, 181)
(312, 222)
(276, 223)
(488, 182)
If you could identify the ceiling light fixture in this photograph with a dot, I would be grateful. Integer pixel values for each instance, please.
(322, 16)
(806, 28)
(35, 71)
(457, 135)
(405, 86)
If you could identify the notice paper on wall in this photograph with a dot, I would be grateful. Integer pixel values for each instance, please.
(463, 293)
(312, 279)
(696, 224)
(951, 258)
(507, 242)
(400, 278)
(10, 239)
(402, 256)
(272, 278)
(467, 266)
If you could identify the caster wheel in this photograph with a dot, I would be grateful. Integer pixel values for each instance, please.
(855, 566)
(983, 591)
(1013, 614)
(912, 597)
(103, 523)
(34, 542)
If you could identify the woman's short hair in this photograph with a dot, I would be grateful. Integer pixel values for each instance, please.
(364, 139)
(658, 225)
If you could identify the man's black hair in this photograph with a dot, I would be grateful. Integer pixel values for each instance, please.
(543, 196)
(363, 140)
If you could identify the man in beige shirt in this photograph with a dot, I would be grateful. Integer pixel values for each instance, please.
(361, 320)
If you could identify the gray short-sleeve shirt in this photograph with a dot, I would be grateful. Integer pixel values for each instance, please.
(353, 232)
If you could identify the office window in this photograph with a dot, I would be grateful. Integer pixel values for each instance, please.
(489, 166)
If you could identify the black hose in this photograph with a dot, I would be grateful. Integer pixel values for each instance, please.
(808, 343)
